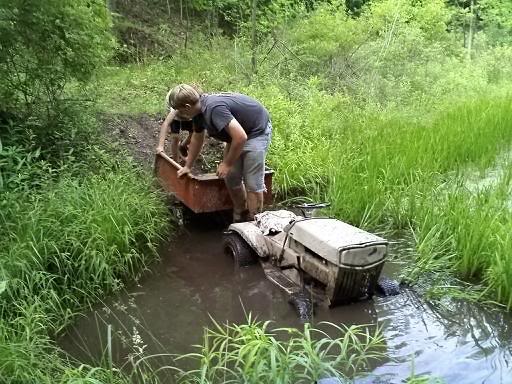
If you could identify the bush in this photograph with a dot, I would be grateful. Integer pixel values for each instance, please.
(44, 49)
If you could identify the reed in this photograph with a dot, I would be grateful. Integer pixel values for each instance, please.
(253, 353)
(64, 247)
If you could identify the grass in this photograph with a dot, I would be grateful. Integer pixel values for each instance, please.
(79, 237)
(467, 233)
(397, 164)
(249, 352)
(64, 246)
(253, 353)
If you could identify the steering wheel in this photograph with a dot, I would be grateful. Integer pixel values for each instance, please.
(308, 208)
(312, 205)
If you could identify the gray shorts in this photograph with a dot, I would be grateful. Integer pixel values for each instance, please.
(250, 166)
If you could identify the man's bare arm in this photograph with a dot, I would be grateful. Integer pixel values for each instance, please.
(232, 153)
(164, 129)
(238, 139)
(196, 143)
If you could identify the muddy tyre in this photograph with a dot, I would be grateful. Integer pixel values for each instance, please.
(238, 249)
(303, 305)
(388, 287)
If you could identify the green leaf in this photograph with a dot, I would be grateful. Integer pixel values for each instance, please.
(3, 286)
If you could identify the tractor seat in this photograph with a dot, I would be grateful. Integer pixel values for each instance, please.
(273, 222)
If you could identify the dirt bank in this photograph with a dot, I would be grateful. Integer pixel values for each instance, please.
(139, 134)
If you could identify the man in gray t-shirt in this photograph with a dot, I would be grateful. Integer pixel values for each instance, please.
(220, 108)
(241, 122)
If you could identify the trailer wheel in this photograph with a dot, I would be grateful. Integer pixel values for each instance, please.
(237, 248)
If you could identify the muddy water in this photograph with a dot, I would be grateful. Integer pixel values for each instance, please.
(167, 311)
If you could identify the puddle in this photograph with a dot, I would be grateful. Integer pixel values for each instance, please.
(168, 310)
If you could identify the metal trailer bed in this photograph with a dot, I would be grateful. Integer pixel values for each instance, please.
(201, 193)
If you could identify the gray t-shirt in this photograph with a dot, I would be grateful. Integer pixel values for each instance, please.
(218, 109)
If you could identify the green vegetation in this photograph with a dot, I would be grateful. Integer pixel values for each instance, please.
(388, 109)
(77, 218)
(251, 353)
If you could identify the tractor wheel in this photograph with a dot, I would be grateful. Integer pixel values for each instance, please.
(239, 250)
(388, 287)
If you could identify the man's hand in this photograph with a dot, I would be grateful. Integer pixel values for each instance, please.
(223, 170)
(159, 149)
(184, 171)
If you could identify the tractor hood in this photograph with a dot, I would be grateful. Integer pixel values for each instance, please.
(338, 242)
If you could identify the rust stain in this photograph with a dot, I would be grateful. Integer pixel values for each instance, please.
(201, 193)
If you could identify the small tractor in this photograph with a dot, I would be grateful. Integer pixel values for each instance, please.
(316, 260)
(317, 257)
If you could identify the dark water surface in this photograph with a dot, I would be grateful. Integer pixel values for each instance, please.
(166, 312)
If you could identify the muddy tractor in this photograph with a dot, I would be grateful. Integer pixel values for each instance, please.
(327, 259)
(337, 262)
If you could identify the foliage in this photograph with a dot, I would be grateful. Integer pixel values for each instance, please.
(251, 353)
(388, 48)
(464, 230)
(72, 226)
(44, 48)
(490, 20)
(79, 239)
(159, 37)
(33, 359)
(269, 14)
(64, 247)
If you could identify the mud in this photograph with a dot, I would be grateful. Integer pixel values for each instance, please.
(139, 135)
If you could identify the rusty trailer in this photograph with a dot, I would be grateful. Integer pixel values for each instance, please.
(201, 193)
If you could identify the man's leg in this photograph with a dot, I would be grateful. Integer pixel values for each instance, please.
(254, 174)
(254, 170)
(254, 204)
(237, 191)
(238, 196)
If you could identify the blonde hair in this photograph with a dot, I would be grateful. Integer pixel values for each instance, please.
(181, 95)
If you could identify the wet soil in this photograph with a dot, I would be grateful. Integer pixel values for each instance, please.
(139, 135)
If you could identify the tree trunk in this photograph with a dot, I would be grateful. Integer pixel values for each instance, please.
(254, 43)
(188, 24)
(111, 4)
(471, 28)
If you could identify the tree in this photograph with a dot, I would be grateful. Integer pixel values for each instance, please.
(492, 17)
(46, 45)
(496, 19)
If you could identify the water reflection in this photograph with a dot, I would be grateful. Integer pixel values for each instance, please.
(459, 342)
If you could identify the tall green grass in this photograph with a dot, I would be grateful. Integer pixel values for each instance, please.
(253, 353)
(62, 248)
(385, 170)
(80, 237)
(468, 233)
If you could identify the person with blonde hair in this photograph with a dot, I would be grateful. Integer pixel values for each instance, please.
(175, 123)
(240, 121)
